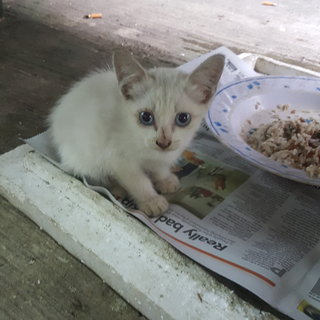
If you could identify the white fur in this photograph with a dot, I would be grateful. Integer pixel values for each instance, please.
(97, 133)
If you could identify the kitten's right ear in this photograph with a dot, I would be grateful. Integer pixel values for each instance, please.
(130, 73)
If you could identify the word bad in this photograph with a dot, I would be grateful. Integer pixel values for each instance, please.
(192, 234)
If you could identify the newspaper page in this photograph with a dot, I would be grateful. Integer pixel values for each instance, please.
(255, 228)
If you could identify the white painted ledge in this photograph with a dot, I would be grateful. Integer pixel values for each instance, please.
(266, 65)
(144, 269)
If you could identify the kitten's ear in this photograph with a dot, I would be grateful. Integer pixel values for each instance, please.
(202, 82)
(130, 73)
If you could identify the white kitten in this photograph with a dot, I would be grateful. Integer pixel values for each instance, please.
(126, 128)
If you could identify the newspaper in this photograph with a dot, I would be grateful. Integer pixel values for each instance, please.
(257, 229)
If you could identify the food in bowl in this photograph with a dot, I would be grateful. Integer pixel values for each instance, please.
(294, 142)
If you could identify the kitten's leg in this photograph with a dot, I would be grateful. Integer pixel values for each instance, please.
(139, 186)
(164, 180)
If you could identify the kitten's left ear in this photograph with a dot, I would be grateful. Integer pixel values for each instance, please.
(202, 82)
(130, 73)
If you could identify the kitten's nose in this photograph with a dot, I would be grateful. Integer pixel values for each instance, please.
(163, 144)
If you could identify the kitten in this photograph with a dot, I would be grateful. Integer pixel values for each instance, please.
(125, 128)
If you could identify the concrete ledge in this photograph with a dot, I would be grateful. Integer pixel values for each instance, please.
(266, 65)
(151, 275)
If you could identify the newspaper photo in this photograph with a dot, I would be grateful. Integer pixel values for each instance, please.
(250, 226)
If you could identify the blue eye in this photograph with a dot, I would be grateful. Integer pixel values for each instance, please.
(183, 119)
(146, 118)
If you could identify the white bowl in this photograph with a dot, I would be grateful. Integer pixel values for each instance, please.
(256, 99)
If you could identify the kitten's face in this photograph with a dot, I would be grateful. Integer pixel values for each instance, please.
(165, 105)
(166, 118)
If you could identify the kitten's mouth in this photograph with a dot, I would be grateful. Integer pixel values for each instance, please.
(171, 148)
(164, 150)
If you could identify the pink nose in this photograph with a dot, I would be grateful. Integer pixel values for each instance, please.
(163, 144)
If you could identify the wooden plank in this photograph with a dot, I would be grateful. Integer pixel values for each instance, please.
(1, 9)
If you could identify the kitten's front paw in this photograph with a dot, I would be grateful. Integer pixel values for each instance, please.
(168, 185)
(154, 206)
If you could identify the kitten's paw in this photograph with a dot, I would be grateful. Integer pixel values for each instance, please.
(168, 185)
(154, 206)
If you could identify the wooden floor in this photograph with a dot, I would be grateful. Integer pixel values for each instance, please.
(38, 278)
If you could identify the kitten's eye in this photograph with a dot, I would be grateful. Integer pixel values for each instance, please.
(146, 118)
(183, 119)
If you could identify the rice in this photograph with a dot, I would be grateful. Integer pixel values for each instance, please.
(294, 143)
